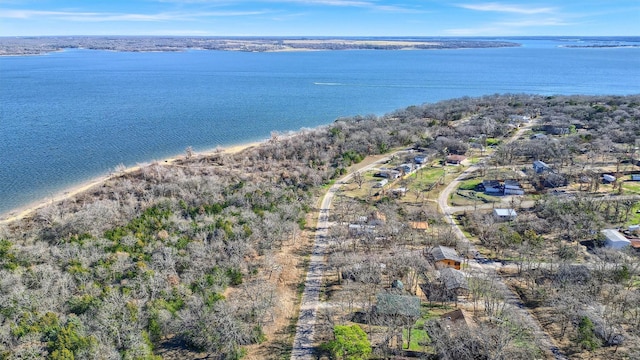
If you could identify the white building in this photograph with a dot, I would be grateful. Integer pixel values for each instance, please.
(505, 214)
(614, 239)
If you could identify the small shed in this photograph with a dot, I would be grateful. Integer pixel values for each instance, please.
(614, 239)
(505, 214)
(444, 257)
(635, 177)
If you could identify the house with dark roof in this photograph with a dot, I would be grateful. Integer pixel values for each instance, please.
(540, 166)
(454, 281)
(492, 187)
(455, 159)
(444, 256)
(512, 187)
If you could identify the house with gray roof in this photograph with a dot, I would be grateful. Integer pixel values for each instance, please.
(505, 214)
(614, 239)
(444, 256)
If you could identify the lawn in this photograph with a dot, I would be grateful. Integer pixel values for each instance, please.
(631, 187)
(424, 179)
(470, 197)
(418, 335)
(634, 217)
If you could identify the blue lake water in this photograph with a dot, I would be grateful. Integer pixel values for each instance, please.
(70, 116)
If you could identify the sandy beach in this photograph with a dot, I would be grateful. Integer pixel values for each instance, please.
(23, 212)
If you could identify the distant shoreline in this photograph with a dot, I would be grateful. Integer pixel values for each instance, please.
(27, 210)
(25, 46)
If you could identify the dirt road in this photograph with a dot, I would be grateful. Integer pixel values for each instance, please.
(303, 343)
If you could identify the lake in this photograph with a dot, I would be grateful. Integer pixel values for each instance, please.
(70, 116)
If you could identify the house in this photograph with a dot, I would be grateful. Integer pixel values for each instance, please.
(457, 316)
(504, 214)
(557, 130)
(454, 316)
(614, 239)
(399, 192)
(512, 187)
(539, 167)
(361, 229)
(492, 187)
(635, 177)
(444, 256)
(445, 285)
(405, 168)
(538, 136)
(555, 180)
(381, 183)
(608, 178)
(420, 160)
(519, 119)
(454, 281)
(455, 159)
(388, 174)
(377, 218)
(419, 225)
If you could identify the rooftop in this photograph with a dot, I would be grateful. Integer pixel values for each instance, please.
(505, 212)
(444, 253)
(453, 279)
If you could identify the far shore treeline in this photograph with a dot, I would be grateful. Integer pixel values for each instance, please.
(149, 260)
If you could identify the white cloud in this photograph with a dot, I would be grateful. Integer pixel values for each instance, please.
(507, 8)
(98, 16)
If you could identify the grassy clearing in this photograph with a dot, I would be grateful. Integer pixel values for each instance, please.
(470, 197)
(634, 217)
(631, 187)
(419, 336)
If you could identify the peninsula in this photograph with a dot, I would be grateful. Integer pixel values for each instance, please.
(46, 44)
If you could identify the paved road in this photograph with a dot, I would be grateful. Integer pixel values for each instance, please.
(509, 296)
(303, 342)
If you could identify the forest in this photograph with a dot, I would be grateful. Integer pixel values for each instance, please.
(141, 266)
(45, 44)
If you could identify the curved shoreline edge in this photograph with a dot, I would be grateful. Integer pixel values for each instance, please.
(68, 193)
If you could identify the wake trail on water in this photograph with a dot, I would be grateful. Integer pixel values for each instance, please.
(374, 85)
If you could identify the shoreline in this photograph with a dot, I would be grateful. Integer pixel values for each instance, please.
(23, 212)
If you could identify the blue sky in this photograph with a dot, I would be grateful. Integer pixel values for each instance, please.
(320, 17)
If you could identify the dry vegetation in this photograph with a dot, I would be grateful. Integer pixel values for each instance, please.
(146, 263)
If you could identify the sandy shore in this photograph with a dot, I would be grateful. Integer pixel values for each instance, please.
(20, 213)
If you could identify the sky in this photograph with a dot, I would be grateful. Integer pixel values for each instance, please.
(320, 17)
